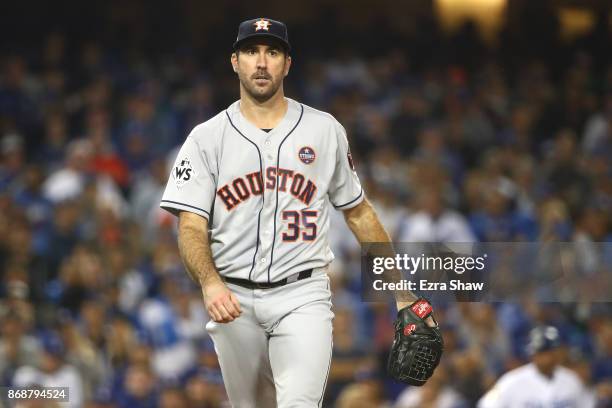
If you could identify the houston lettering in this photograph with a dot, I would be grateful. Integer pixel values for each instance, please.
(252, 184)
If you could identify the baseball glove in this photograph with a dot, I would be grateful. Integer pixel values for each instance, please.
(417, 347)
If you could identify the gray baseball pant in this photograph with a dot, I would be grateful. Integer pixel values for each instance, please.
(278, 352)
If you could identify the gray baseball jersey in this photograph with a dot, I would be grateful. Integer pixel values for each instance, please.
(265, 194)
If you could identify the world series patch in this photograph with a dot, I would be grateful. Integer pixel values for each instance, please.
(307, 155)
(183, 172)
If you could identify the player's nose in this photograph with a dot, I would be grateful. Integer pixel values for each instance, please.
(261, 60)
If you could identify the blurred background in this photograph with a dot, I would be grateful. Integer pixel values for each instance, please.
(492, 118)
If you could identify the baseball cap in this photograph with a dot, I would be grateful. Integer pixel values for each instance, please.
(53, 344)
(262, 27)
(543, 338)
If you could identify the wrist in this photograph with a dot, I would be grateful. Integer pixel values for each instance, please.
(402, 304)
(405, 300)
(209, 279)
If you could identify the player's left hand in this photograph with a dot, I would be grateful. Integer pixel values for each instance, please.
(417, 346)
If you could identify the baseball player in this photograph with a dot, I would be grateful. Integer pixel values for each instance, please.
(252, 188)
(541, 383)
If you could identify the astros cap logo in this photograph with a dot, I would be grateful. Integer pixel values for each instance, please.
(262, 25)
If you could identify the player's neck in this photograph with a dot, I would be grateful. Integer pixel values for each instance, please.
(264, 115)
(546, 371)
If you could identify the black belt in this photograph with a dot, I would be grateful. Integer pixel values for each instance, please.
(245, 283)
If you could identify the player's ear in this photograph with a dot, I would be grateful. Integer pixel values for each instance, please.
(234, 61)
(287, 65)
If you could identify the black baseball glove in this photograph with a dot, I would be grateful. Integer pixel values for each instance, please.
(417, 347)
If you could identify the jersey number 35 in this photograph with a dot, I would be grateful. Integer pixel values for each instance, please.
(306, 229)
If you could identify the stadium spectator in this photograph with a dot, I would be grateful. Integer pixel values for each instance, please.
(433, 221)
(17, 347)
(138, 389)
(205, 391)
(172, 398)
(361, 395)
(348, 355)
(52, 370)
(436, 393)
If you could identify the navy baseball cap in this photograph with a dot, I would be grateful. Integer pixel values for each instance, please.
(543, 338)
(262, 27)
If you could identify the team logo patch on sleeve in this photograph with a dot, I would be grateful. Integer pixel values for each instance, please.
(183, 172)
(349, 156)
(307, 155)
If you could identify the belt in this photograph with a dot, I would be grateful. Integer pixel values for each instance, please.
(245, 283)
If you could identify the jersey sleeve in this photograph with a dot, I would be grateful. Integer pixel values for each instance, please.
(501, 395)
(345, 190)
(491, 399)
(191, 185)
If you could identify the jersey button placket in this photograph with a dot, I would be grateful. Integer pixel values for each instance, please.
(268, 150)
(267, 213)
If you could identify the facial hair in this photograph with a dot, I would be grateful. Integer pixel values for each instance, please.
(255, 92)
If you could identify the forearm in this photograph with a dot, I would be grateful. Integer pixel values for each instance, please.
(365, 225)
(367, 228)
(221, 304)
(194, 248)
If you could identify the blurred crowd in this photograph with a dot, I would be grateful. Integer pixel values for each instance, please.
(93, 291)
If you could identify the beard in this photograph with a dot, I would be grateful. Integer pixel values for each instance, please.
(259, 93)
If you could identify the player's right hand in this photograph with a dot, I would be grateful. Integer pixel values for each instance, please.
(221, 304)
